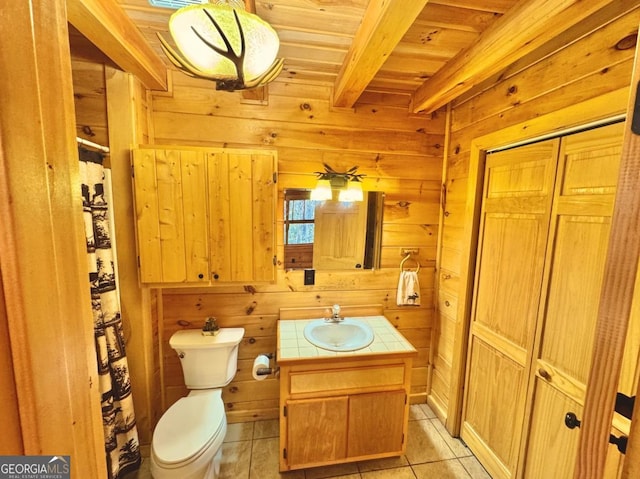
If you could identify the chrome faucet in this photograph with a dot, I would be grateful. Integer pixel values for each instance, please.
(210, 327)
(335, 314)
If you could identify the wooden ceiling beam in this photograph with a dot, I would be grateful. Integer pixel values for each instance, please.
(525, 27)
(108, 27)
(383, 26)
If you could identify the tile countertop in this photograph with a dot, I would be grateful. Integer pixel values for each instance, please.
(293, 346)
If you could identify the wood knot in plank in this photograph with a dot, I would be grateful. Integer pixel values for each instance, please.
(251, 308)
(627, 43)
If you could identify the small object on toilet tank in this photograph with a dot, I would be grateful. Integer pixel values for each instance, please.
(210, 327)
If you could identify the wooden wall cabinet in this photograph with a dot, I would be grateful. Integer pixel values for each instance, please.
(342, 411)
(205, 215)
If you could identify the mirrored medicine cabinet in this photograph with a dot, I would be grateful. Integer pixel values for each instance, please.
(332, 234)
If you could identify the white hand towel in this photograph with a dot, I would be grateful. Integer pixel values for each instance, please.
(408, 289)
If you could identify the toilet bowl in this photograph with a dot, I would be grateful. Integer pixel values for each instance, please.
(188, 439)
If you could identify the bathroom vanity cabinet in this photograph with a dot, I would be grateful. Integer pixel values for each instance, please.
(343, 408)
(205, 215)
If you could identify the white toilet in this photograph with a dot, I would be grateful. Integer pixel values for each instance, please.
(187, 441)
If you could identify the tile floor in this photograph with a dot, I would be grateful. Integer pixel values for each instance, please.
(250, 451)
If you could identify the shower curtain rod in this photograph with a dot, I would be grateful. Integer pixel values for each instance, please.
(82, 141)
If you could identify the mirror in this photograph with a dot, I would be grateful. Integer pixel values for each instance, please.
(332, 235)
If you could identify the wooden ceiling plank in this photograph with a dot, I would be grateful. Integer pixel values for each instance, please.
(383, 26)
(496, 6)
(521, 30)
(108, 27)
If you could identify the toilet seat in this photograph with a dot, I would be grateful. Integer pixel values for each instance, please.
(189, 428)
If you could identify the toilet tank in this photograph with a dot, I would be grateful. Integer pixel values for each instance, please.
(207, 361)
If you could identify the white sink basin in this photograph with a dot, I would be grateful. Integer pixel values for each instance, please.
(346, 335)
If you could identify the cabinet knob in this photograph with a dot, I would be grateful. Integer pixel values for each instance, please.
(200, 276)
(215, 275)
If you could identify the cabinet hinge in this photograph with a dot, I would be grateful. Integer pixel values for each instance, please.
(275, 260)
(405, 398)
(132, 171)
(275, 176)
(284, 412)
(138, 261)
(284, 453)
(402, 438)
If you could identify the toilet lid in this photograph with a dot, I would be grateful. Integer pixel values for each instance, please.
(187, 427)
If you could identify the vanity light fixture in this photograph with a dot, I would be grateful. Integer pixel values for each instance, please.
(348, 183)
(223, 42)
(353, 191)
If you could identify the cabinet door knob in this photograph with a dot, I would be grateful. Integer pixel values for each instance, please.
(200, 276)
(544, 374)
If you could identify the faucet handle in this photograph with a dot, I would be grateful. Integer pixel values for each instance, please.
(336, 310)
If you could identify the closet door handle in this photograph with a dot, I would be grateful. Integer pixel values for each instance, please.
(571, 420)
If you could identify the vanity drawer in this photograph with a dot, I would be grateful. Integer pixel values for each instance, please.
(347, 380)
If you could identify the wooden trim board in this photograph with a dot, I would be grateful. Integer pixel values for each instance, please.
(616, 297)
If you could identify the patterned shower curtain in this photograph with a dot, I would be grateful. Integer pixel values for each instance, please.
(118, 418)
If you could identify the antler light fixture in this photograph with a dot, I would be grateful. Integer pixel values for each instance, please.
(349, 184)
(221, 41)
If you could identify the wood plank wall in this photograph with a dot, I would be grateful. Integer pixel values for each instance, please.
(598, 62)
(401, 154)
(89, 91)
(11, 439)
(42, 250)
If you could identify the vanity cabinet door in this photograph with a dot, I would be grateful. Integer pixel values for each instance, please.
(376, 423)
(316, 431)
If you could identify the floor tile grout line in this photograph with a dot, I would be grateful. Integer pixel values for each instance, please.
(450, 437)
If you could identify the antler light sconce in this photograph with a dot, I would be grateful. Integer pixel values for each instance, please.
(349, 184)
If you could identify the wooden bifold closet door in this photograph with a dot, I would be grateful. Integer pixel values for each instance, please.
(542, 244)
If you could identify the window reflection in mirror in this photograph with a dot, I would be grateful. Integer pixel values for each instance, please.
(332, 235)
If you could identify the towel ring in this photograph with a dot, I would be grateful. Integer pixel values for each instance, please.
(405, 259)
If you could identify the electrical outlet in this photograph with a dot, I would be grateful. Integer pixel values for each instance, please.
(309, 277)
